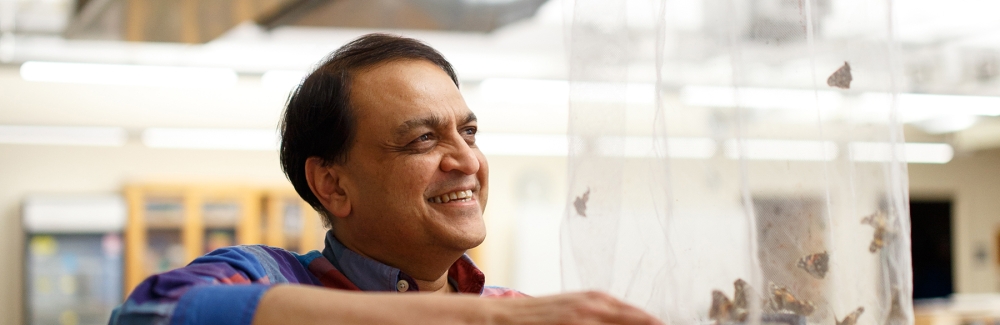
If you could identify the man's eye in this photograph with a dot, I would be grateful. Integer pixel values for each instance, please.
(425, 137)
(470, 135)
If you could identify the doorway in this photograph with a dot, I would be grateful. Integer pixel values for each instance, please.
(932, 248)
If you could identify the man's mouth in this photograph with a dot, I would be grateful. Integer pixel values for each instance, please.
(457, 196)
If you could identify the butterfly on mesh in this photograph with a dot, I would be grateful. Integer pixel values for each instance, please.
(726, 311)
(897, 314)
(851, 318)
(880, 221)
(815, 264)
(581, 203)
(841, 78)
(783, 301)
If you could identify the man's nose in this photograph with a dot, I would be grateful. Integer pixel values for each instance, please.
(461, 158)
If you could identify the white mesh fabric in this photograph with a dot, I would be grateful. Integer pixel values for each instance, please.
(717, 140)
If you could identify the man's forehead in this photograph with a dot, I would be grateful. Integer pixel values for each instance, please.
(400, 72)
(403, 95)
(413, 84)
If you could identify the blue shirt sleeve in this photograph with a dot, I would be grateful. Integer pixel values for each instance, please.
(222, 287)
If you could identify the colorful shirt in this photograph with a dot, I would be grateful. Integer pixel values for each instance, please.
(225, 286)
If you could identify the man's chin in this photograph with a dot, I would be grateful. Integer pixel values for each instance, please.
(468, 243)
(466, 238)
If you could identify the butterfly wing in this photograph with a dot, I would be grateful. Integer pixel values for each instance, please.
(722, 307)
(581, 203)
(815, 264)
(851, 318)
(841, 78)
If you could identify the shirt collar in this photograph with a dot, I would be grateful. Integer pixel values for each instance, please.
(371, 275)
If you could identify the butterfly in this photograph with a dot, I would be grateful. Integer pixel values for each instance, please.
(783, 301)
(815, 264)
(879, 221)
(581, 203)
(724, 310)
(741, 294)
(851, 318)
(841, 78)
(896, 313)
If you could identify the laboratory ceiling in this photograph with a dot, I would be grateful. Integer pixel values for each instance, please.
(949, 48)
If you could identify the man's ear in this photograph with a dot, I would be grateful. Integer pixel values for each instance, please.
(325, 183)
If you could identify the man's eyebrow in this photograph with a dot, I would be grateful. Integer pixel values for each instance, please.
(470, 118)
(429, 121)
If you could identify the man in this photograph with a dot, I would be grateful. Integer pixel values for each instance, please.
(379, 140)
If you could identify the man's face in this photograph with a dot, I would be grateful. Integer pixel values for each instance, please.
(414, 175)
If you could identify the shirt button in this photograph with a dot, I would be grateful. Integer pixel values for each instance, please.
(402, 286)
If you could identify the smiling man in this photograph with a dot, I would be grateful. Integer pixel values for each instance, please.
(380, 141)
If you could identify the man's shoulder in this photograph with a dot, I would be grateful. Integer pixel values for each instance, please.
(279, 264)
(259, 252)
(265, 251)
(501, 292)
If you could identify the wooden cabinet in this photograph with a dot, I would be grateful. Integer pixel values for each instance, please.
(290, 223)
(170, 225)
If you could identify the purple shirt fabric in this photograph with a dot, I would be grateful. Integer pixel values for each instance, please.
(224, 286)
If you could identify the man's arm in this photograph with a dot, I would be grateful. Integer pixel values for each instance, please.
(295, 304)
(222, 287)
(232, 286)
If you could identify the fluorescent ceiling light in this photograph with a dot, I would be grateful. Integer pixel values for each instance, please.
(538, 91)
(928, 153)
(921, 107)
(648, 147)
(608, 92)
(225, 139)
(695, 148)
(550, 145)
(63, 135)
(541, 145)
(953, 104)
(759, 98)
(284, 80)
(917, 153)
(947, 124)
(762, 149)
(525, 90)
(128, 75)
(870, 106)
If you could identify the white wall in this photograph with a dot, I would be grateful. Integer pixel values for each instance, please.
(973, 182)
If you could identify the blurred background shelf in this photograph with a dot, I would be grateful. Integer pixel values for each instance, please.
(169, 225)
(290, 222)
(73, 258)
(958, 309)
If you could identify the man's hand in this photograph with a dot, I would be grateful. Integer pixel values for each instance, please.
(583, 308)
(295, 304)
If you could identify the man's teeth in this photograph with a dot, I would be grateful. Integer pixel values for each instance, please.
(453, 196)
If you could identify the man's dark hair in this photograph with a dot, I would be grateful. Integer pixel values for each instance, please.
(318, 119)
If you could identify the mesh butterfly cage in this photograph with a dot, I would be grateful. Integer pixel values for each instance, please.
(741, 166)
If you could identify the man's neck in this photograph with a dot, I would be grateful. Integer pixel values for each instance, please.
(437, 286)
(428, 270)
